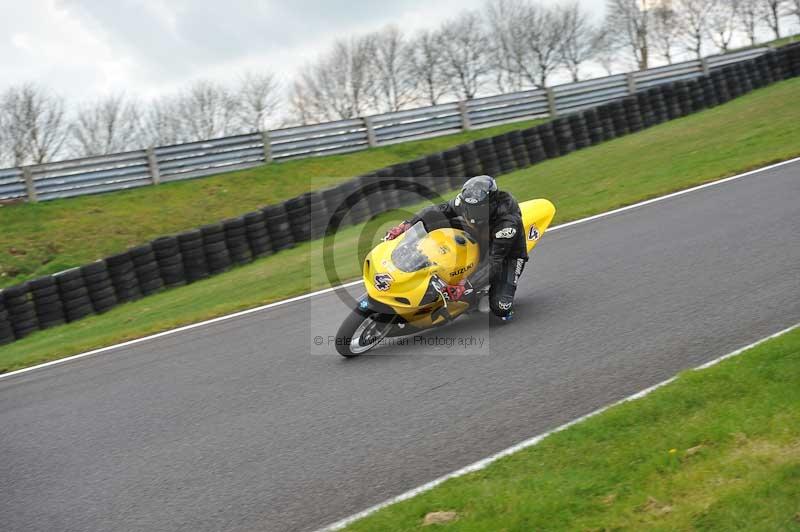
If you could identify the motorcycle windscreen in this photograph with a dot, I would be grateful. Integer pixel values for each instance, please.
(407, 256)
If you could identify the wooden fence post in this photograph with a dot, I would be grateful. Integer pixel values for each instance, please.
(267, 146)
(30, 186)
(152, 162)
(371, 141)
(551, 102)
(466, 123)
(704, 66)
(631, 83)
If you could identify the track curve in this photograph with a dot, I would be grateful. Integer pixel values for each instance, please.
(238, 426)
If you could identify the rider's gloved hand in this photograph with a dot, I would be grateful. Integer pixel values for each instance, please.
(396, 231)
(456, 291)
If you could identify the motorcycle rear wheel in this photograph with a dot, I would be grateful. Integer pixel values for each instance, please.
(361, 331)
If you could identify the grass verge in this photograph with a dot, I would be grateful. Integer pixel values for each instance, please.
(717, 449)
(752, 131)
(43, 238)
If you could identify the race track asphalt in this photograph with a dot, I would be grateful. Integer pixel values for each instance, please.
(247, 425)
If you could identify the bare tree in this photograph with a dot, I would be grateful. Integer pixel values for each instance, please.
(257, 99)
(395, 83)
(606, 50)
(537, 39)
(161, 123)
(206, 110)
(426, 66)
(465, 47)
(796, 8)
(109, 125)
(579, 38)
(771, 13)
(749, 17)
(629, 22)
(694, 17)
(722, 23)
(666, 29)
(35, 124)
(339, 85)
(501, 17)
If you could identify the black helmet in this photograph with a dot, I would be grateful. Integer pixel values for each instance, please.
(473, 203)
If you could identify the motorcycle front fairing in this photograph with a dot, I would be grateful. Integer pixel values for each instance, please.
(398, 273)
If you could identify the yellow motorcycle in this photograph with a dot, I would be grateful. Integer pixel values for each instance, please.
(405, 280)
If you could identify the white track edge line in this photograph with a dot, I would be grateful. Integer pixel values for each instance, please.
(354, 283)
(481, 464)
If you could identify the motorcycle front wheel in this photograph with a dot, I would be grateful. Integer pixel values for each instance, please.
(361, 331)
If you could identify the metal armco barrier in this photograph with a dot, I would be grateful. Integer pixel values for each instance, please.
(197, 253)
(163, 164)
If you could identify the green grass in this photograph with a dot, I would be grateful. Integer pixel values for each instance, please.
(38, 239)
(752, 131)
(717, 449)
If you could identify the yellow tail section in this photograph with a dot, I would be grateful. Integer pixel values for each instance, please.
(536, 217)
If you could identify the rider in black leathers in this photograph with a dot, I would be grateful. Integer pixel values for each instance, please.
(493, 217)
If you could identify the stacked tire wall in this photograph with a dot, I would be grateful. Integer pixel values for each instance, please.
(196, 254)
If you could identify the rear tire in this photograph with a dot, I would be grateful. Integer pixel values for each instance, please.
(370, 327)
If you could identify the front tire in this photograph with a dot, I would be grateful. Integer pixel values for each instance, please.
(361, 331)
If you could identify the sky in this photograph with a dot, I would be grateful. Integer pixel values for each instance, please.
(145, 48)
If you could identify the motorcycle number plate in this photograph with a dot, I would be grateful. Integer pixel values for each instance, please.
(383, 281)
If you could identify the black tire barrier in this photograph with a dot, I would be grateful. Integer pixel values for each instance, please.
(709, 95)
(669, 91)
(604, 114)
(632, 114)
(792, 62)
(646, 109)
(123, 277)
(504, 154)
(371, 190)
(472, 163)
(484, 148)
(731, 81)
(319, 214)
(386, 185)
(170, 261)
(47, 302)
(216, 250)
(355, 206)
(6, 329)
(696, 97)
(453, 162)
(419, 168)
(278, 226)
(563, 133)
(549, 142)
(193, 254)
(74, 294)
(720, 87)
(257, 234)
(519, 149)
(774, 65)
(299, 215)
(97, 280)
(761, 64)
(436, 164)
(593, 127)
(146, 267)
(236, 240)
(533, 144)
(21, 311)
(579, 130)
(657, 104)
(745, 78)
(619, 117)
